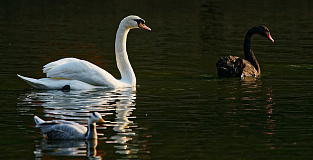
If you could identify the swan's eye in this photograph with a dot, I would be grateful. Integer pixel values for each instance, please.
(139, 21)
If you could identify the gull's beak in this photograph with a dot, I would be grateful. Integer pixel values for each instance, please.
(270, 37)
(141, 25)
(101, 120)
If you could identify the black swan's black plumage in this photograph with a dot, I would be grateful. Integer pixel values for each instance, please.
(233, 66)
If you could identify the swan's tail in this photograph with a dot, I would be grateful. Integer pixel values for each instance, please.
(35, 83)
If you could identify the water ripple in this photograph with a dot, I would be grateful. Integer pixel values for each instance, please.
(115, 105)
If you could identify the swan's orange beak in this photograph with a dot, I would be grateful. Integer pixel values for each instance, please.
(141, 25)
(270, 37)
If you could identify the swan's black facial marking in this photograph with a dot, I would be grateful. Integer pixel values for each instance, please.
(139, 21)
(94, 114)
(141, 24)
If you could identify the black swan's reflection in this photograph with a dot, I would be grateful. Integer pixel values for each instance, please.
(117, 106)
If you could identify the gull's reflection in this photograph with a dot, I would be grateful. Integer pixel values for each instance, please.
(116, 106)
(67, 148)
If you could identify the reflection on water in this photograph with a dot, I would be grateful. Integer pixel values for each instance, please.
(67, 148)
(251, 105)
(241, 89)
(115, 105)
(187, 118)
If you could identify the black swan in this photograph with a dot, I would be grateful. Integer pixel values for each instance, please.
(233, 66)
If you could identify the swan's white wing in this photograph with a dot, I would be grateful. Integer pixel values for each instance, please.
(56, 83)
(58, 63)
(76, 69)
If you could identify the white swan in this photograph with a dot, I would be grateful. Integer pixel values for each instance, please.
(60, 129)
(72, 73)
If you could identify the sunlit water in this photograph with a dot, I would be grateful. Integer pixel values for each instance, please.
(180, 108)
(115, 105)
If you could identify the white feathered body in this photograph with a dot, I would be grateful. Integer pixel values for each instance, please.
(80, 74)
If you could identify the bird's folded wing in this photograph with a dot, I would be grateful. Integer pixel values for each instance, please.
(76, 69)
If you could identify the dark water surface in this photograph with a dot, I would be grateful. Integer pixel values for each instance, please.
(181, 109)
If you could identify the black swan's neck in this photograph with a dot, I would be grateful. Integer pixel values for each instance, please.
(249, 55)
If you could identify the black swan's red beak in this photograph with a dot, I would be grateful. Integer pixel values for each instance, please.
(270, 37)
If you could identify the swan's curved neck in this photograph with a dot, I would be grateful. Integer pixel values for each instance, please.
(123, 64)
(249, 55)
(91, 131)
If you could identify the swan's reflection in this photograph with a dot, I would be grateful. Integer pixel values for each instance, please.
(116, 106)
(67, 148)
(124, 129)
(252, 102)
(237, 89)
(270, 123)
